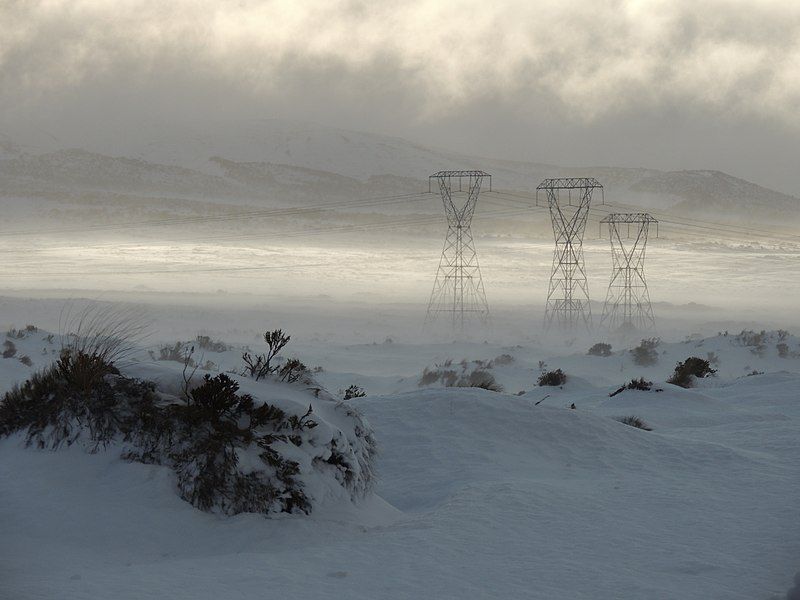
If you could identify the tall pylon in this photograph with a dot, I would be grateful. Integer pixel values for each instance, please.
(458, 289)
(568, 294)
(627, 306)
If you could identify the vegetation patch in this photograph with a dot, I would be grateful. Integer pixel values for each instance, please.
(354, 391)
(634, 421)
(600, 349)
(476, 373)
(640, 384)
(646, 353)
(230, 452)
(552, 378)
(687, 371)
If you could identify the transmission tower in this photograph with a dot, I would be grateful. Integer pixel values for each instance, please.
(627, 305)
(458, 289)
(568, 294)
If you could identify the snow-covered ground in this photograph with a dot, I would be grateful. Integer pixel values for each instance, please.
(481, 494)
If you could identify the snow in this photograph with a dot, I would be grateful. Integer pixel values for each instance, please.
(480, 494)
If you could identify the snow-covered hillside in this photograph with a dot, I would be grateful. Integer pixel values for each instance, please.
(481, 494)
(271, 162)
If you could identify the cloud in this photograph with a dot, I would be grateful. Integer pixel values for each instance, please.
(582, 60)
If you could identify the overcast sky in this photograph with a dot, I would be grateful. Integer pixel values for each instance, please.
(668, 84)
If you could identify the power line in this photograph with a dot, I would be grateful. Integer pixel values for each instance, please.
(166, 271)
(666, 218)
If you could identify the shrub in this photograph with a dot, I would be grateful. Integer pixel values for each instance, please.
(108, 332)
(204, 342)
(553, 378)
(640, 384)
(10, 349)
(79, 395)
(260, 365)
(293, 370)
(645, 354)
(354, 391)
(503, 359)
(429, 376)
(202, 439)
(480, 378)
(686, 371)
(178, 352)
(600, 349)
(783, 350)
(26, 360)
(635, 384)
(749, 337)
(634, 421)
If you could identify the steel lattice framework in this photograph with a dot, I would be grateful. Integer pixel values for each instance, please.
(458, 289)
(627, 305)
(568, 294)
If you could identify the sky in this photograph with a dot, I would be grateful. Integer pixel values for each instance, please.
(705, 84)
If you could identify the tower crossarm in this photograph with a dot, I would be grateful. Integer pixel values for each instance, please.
(628, 218)
(569, 183)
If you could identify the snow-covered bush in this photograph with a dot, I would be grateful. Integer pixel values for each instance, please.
(260, 365)
(80, 397)
(503, 359)
(354, 391)
(480, 378)
(600, 349)
(177, 352)
(9, 349)
(640, 384)
(203, 439)
(686, 371)
(206, 344)
(634, 421)
(552, 378)
(645, 354)
(230, 452)
(460, 375)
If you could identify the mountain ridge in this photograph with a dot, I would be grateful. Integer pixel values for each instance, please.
(276, 162)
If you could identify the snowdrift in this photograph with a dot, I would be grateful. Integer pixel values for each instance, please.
(479, 495)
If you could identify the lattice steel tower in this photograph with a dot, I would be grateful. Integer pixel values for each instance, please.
(568, 294)
(627, 305)
(458, 290)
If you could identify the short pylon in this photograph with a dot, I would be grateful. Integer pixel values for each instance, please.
(458, 289)
(627, 306)
(569, 200)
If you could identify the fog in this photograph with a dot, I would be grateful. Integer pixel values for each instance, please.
(145, 147)
(668, 85)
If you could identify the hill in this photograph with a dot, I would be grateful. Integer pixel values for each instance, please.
(278, 163)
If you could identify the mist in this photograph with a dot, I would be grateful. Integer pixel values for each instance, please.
(669, 85)
(438, 299)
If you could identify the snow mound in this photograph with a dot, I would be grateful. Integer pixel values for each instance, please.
(272, 448)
